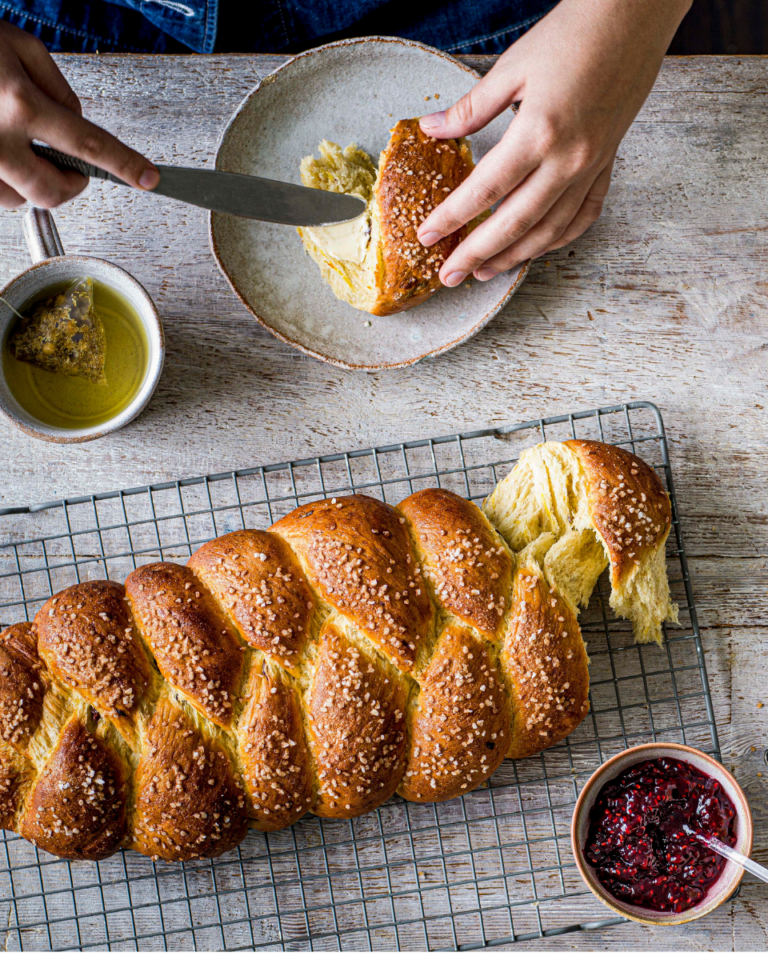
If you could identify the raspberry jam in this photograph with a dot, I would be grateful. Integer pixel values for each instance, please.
(636, 841)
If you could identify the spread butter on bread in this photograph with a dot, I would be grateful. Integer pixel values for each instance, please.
(377, 263)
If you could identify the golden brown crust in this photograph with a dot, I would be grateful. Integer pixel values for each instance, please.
(257, 580)
(86, 638)
(466, 561)
(22, 687)
(192, 643)
(399, 691)
(361, 562)
(356, 721)
(628, 505)
(273, 748)
(16, 777)
(20, 642)
(416, 173)
(77, 807)
(460, 723)
(189, 804)
(545, 662)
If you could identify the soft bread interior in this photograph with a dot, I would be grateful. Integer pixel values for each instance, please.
(543, 502)
(344, 171)
(644, 598)
(383, 268)
(553, 560)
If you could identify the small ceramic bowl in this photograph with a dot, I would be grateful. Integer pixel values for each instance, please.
(50, 266)
(731, 876)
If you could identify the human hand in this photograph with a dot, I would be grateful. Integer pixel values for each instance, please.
(580, 76)
(37, 103)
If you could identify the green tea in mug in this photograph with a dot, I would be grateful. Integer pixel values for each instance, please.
(79, 355)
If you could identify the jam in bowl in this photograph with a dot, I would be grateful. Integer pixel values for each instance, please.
(637, 841)
(632, 833)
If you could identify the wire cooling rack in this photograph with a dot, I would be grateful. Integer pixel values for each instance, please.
(492, 867)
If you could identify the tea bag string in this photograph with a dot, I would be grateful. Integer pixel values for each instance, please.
(11, 307)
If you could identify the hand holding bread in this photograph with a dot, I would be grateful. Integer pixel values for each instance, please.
(578, 78)
(387, 270)
(575, 80)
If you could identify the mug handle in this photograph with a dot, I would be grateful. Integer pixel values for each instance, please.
(43, 238)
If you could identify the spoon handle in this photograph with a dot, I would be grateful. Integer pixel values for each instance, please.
(730, 854)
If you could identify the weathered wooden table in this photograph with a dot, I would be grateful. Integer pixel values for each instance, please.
(665, 299)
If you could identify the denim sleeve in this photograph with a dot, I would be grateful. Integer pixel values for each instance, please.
(458, 26)
(172, 26)
(73, 26)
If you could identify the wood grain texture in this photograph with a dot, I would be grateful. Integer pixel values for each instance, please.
(664, 299)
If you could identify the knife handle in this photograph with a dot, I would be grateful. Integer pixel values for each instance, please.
(62, 161)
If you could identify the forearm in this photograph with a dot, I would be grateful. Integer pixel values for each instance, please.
(631, 13)
(603, 39)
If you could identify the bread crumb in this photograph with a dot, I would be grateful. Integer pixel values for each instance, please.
(437, 96)
(426, 98)
(759, 706)
(367, 323)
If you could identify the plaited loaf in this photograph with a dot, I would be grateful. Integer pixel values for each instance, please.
(352, 651)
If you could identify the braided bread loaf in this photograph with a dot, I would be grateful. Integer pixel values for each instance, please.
(351, 651)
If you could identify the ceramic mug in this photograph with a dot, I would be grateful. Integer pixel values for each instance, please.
(50, 265)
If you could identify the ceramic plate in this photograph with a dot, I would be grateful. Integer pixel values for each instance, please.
(352, 91)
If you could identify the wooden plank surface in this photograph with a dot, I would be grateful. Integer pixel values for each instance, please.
(665, 299)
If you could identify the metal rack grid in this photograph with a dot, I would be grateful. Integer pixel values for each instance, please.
(492, 867)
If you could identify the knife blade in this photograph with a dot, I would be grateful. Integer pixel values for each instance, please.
(254, 198)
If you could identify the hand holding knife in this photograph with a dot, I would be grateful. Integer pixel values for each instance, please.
(234, 193)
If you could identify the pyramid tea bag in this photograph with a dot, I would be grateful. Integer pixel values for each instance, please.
(63, 334)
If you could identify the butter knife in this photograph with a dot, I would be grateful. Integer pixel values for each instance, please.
(241, 196)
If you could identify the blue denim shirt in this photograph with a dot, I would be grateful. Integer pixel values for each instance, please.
(156, 26)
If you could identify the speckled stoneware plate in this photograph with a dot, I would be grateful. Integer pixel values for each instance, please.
(352, 91)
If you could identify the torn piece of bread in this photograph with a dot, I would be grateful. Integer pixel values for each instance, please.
(377, 263)
(592, 504)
